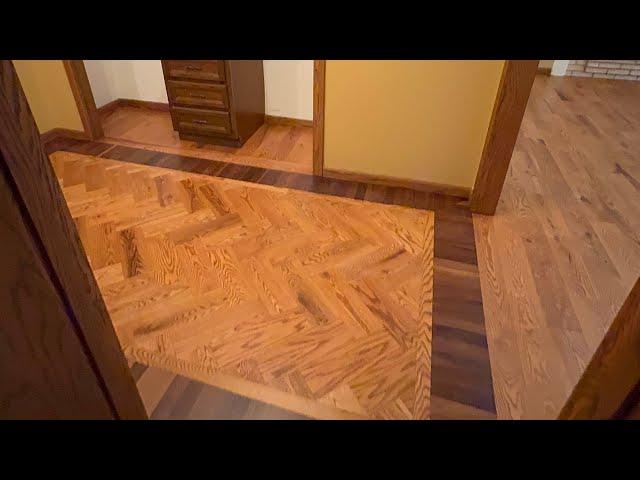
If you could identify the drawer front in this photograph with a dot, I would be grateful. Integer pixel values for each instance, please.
(207, 95)
(212, 70)
(201, 122)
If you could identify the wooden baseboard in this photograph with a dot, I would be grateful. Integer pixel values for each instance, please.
(63, 132)
(451, 190)
(292, 122)
(130, 102)
(544, 70)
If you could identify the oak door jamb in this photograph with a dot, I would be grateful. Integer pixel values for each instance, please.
(81, 88)
(508, 110)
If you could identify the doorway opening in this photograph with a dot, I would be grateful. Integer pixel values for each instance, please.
(135, 103)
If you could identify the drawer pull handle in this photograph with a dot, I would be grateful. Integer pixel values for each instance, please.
(195, 95)
(201, 122)
(193, 67)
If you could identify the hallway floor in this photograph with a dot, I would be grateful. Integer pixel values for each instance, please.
(563, 249)
(555, 263)
(279, 147)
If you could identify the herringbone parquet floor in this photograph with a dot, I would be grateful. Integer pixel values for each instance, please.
(317, 304)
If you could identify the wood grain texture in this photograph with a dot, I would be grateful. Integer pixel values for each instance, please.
(319, 304)
(44, 370)
(614, 371)
(30, 170)
(81, 88)
(278, 147)
(168, 396)
(54, 133)
(563, 250)
(319, 69)
(461, 383)
(511, 101)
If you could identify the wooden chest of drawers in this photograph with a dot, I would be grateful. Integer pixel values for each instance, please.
(215, 101)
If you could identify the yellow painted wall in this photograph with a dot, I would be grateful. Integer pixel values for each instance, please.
(423, 120)
(49, 94)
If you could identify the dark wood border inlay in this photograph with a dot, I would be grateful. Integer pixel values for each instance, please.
(461, 379)
(319, 68)
(81, 88)
(511, 101)
(278, 178)
(460, 369)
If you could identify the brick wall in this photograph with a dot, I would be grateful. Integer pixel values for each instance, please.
(617, 69)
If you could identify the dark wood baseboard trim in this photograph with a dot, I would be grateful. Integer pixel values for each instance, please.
(54, 133)
(287, 121)
(544, 71)
(319, 73)
(509, 107)
(109, 108)
(455, 191)
(461, 376)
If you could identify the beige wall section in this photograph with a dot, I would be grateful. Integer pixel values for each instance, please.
(422, 120)
(49, 94)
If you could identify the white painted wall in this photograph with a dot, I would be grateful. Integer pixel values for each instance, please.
(288, 84)
(131, 79)
(288, 88)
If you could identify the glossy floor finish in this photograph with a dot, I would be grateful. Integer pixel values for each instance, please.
(461, 376)
(563, 249)
(280, 147)
(317, 304)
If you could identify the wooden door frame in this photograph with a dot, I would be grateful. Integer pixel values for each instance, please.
(81, 88)
(610, 385)
(29, 171)
(508, 110)
(319, 75)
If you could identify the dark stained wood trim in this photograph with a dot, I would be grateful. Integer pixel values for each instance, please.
(287, 121)
(298, 181)
(108, 108)
(608, 387)
(430, 187)
(508, 110)
(113, 105)
(31, 172)
(461, 378)
(45, 368)
(319, 69)
(544, 70)
(85, 102)
(62, 132)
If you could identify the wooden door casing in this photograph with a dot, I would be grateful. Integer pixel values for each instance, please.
(35, 189)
